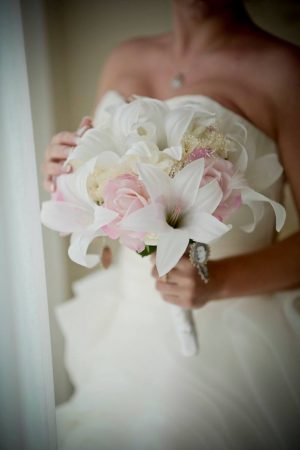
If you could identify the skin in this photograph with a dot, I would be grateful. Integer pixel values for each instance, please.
(226, 57)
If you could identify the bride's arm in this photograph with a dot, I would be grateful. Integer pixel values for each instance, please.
(276, 267)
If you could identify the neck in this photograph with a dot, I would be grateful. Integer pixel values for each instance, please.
(205, 25)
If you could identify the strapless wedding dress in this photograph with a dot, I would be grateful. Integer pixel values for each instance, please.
(134, 390)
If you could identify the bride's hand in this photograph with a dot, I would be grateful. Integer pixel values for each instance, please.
(184, 287)
(58, 151)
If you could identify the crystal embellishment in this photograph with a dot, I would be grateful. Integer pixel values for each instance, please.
(177, 81)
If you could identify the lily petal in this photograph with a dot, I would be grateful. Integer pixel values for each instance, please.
(150, 219)
(264, 172)
(107, 159)
(240, 158)
(171, 246)
(66, 186)
(186, 183)
(257, 210)
(111, 99)
(177, 123)
(102, 216)
(249, 195)
(175, 152)
(157, 183)
(78, 249)
(65, 217)
(205, 228)
(209, 197)
(80, 181)
(143, 150)
(92, 143)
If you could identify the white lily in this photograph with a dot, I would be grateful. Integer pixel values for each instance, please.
(179, 120)
(125, 125)
(141, 119)
(179, 211)
(149, 153)
(94, 142)
(261, 174)
(75, 213)
(256, 175)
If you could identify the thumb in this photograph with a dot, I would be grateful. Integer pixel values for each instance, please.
(84, 125)
(86, 121)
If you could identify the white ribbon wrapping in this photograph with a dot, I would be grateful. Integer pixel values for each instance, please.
(186, 330)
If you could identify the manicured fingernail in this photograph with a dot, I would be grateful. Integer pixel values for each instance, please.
(67, 168)
(85, 121)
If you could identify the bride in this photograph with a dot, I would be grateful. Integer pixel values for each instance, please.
(133, 388)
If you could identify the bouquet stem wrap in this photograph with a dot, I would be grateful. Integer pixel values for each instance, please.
(186, 330)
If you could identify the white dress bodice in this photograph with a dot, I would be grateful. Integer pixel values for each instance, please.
(133, 388)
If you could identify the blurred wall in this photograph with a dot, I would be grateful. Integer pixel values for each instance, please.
(66, 53)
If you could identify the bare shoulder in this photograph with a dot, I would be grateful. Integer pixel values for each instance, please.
(279, 66)
(280, 62)
(271, 72)
(126, 67)
(285, 78)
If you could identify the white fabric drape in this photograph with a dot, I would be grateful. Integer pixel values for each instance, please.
(27, 414)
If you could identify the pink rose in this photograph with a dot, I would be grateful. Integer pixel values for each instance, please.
(125, 194)
(221, 170)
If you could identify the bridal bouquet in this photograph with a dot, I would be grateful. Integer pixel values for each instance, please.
(158, 179)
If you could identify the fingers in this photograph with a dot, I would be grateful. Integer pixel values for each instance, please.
(53, 169)
(184, 264)
(175, 300)
(174, 276)
(166, 287)
(86, 121)
(84, 125)
(71, 139)
(49, 184)
(65, 138)
(169, 292)
(58, 152)
(154, 273)
(153, 257)
(180, 285)
(106, 257)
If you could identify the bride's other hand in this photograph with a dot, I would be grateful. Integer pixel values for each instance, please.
(58, 151)
(184, 287)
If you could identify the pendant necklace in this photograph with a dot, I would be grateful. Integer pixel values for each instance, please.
(177, 81)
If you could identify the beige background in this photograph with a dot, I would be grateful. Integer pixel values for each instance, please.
(67, 44)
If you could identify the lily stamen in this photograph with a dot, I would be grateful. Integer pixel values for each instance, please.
(174, 216)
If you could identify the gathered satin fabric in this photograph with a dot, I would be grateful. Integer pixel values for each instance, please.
(133, 388)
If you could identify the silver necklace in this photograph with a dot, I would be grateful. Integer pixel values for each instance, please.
(177, 81)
